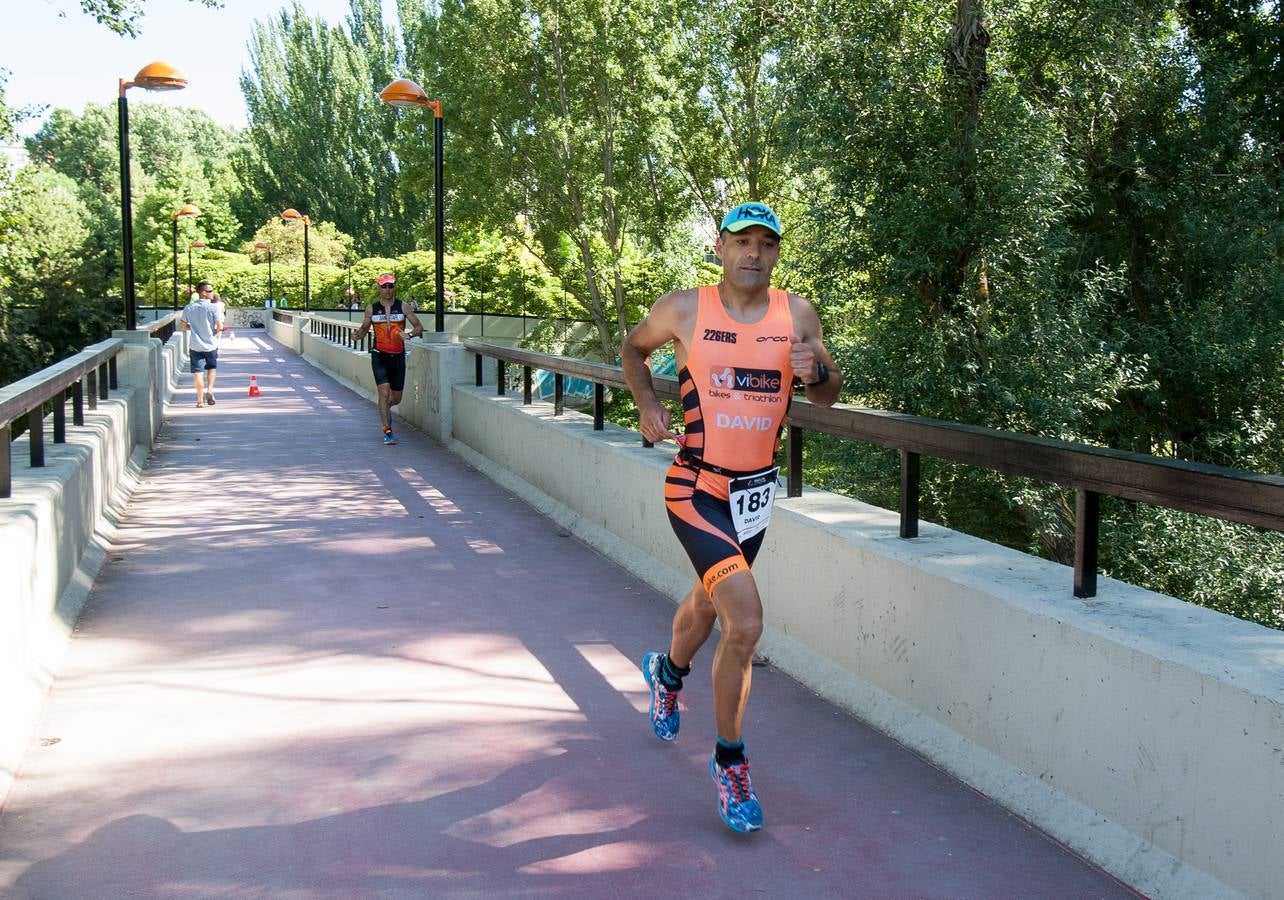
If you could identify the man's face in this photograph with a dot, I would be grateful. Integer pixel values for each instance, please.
(386, 291)
(205, 292)
(748, 257)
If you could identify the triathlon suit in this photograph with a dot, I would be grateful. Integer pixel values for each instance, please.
(735, 388)
(388, 358)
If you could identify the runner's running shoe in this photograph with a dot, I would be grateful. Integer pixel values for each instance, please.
(737, 803)
(209, 398)
(664, 702)
(389, 438)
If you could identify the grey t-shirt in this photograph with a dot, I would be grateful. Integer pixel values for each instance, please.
(202, 318)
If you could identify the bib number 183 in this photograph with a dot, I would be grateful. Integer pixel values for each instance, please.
(751, 499)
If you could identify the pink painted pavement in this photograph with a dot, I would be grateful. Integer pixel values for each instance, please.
(317, 667)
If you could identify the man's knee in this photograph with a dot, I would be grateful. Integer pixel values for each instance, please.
(739, 610)
(394, 397)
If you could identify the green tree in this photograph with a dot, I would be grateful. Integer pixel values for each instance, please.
(319, 139)
(178, 156)
(552, 111)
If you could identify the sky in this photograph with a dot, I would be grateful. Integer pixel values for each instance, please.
(58, 56)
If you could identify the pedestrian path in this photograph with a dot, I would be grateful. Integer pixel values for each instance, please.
(317, 667)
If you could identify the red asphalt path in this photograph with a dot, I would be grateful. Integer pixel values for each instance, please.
(315, 666)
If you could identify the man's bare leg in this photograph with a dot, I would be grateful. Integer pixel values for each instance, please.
(692, 625)
(199, 381)
(739, 609)
(385, 406)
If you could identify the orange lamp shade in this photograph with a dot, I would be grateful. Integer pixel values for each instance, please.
(404, 92)
(259, 245)
(187, 211)
(198, 243)
(160, 76)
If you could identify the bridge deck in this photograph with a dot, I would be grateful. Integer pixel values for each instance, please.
(314, 666)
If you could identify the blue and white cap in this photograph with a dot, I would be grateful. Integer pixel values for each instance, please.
(747, 215)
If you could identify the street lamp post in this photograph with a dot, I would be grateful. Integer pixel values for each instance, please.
(404, 92)
(186, 211)
(293, 215)
(198, 245)
(156, 76)
(268, 247)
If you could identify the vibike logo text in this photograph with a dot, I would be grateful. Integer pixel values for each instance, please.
(752, 381)
(744, 423)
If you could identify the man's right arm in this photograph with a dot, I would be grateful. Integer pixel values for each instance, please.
(654, 331)
(366, 322)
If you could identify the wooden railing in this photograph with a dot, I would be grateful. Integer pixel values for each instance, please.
(95, 364)
(1232, 495)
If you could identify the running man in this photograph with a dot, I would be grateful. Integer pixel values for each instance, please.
(388, 356)
(739, 346)
(202, 320)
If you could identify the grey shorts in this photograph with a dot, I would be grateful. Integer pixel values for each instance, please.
(202, 360)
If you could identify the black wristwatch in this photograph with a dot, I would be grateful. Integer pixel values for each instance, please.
(822, 375)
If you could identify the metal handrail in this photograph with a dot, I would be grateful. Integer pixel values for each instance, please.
(96, 363)
(1233, 495)
(162, 329)
(338, 332)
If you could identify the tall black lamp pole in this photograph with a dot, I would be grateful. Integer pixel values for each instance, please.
(157, 76)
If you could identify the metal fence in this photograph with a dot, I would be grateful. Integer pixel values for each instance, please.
(1232, 495)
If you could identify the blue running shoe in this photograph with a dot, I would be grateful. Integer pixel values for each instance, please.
(664, 702)
(388, 438)
(737, 803)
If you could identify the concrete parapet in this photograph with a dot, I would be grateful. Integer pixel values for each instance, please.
(55, 526)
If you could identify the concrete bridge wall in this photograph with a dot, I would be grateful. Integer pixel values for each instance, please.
(54, 528)
(1145, 733)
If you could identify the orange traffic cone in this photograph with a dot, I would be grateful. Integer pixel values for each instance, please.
(254, 385)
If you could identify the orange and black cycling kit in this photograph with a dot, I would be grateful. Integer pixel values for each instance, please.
(389, 325)
(388, 356)
(735, 390)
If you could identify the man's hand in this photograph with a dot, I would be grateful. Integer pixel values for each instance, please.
(802, 358)
(653, 422)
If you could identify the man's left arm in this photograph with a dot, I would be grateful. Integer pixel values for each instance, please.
(413, 320)
(811, 362)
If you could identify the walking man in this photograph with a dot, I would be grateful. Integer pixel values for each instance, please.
(201, 318)
(388, 356)
(739, 345)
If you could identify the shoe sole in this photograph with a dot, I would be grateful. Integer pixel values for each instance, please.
(646, 674)
(737, 827)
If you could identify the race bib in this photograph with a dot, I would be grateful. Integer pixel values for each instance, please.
(751, 499)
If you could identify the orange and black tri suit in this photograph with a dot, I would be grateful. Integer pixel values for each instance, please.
(735, 390)
(388, 356)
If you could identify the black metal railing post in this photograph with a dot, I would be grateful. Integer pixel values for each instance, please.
(60, 418)
(36, 436)
(500, 375)
(111, 373)
(6, 476)
(526, 385)
(599, 405)
(92, 388)
(1087, 530)
(102, 382)
(78, 403)
(478, 362)
(793, 462)
(910, 471)
(558, 398)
